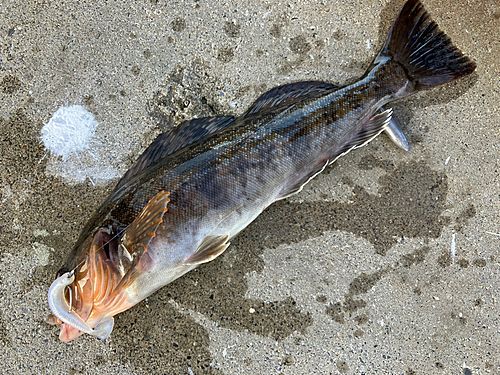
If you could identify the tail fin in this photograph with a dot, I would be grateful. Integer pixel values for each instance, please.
(426, 53)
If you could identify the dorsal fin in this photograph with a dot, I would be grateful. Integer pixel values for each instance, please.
(209, 249)
(185, 134)
(289, 94)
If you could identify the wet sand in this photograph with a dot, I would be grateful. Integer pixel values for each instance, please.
(354, 275)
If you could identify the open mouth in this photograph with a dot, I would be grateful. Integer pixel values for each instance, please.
(86, 299)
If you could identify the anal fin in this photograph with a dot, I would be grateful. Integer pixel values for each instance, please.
(297, 186)
(367, 130)
(210, 248)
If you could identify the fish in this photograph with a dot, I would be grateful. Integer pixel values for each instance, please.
(198, 185)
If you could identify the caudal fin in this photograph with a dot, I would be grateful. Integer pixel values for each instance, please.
(427, 55)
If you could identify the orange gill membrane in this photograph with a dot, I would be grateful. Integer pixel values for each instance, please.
(99, 287)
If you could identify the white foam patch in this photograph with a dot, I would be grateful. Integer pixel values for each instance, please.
(69, 131)
(77, 155)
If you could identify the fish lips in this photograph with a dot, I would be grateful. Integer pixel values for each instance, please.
(99, 290)
(69, 333)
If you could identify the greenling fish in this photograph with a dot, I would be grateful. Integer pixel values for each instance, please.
(196, 187)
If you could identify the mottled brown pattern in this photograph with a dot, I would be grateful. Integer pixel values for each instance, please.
(10, 84)
(4, 336)
(255, 134)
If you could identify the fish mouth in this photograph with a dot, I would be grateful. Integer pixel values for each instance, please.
(69, 333)
(101, 286)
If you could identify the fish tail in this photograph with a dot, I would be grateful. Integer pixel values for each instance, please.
(426, 55)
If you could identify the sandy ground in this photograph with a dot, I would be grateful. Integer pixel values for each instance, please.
(353, 276)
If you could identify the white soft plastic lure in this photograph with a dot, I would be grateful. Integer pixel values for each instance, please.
(62, 310)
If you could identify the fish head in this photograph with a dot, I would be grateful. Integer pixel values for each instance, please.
(107, 266)
(103, 283)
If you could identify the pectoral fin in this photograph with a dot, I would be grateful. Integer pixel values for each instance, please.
(209, 249)
(103, 330)
(143, 228)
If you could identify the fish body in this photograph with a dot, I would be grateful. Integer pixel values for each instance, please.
(199, 185)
